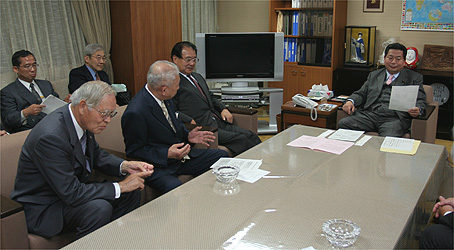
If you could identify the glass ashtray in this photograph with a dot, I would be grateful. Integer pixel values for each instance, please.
(226, 174)
(341, 233)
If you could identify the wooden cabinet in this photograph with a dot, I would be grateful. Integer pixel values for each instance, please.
(300, 76)
(142, 33)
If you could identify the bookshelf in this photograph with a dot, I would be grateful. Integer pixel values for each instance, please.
(314, 42)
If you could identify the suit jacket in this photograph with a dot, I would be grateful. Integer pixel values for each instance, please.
(81, 75)
(191, 104)
(148, 134)
(16, 97)
(371, 90)
(52, 173)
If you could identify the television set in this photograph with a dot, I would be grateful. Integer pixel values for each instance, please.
(240, 58)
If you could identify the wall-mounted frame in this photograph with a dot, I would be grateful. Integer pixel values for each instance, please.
(373, 6)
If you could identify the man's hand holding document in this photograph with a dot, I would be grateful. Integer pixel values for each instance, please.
(403, 98)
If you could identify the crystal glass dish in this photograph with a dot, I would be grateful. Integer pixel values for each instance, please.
(341, 233)
(226, 174)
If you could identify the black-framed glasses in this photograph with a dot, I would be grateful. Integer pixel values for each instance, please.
(106, 114)
(188, 60)
(29, 66)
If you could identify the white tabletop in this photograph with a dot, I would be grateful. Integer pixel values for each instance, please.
(382, 192)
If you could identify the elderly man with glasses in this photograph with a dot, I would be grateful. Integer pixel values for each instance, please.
(57, 160)
(95, 58)
(21, 100)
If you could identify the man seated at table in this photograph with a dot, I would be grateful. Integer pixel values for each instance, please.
(92, 70)
(368, 107)
(195, 103)
(440, 235)
(153, 133)
(57, 160)
(21, 100)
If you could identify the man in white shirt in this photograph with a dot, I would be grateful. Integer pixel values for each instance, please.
(21, 100)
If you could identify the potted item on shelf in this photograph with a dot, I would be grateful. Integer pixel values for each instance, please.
(359, 46)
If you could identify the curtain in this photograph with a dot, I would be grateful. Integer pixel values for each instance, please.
(197, 16)
(94, 18)
(48, 29)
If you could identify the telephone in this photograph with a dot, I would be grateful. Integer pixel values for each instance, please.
(304, 101)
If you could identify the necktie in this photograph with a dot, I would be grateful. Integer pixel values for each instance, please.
(201, 91)
(166, 114)
(197, 85)
(97, 77)
(83, 143)
(390, 80)
(32, 88)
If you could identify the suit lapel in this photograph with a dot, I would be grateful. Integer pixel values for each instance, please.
(74, 140)
(400, 81)
(193, 88)
(156, 110)
(25, 93)
(204, 88)
(381, 80)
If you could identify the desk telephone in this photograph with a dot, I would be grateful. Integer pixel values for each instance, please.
(304, 101)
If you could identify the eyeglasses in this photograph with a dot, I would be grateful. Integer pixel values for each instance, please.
(397, 58)
(29, 66)
(188, 60)
(106, 114)
(99, 57)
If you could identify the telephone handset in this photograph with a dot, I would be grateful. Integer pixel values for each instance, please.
(304, 101)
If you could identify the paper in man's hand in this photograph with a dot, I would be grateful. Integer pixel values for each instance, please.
(403, 98)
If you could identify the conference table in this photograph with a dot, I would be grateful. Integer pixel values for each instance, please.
(388, 195)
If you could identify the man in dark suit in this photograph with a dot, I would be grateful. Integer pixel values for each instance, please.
(195, 103)
(440, 234)
(368, 106)
(153, 133)
(92, 70)
(57, 159)
(21, 100)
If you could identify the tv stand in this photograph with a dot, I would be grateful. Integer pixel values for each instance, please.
(274, 106)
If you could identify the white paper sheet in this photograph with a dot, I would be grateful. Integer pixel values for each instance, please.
(403, 98)
(363, 140)
(326, 133)
(398, 143)
(346, 135)
(52, 103)
(242, 164)
(251, 176)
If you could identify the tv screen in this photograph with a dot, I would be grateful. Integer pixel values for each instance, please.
(246, 57)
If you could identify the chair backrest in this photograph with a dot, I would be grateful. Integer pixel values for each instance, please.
(11, 147)
(112, 137)
(429, 93)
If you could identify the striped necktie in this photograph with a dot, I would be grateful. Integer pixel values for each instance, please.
(390, 79)
(166, 114)
(35, 93)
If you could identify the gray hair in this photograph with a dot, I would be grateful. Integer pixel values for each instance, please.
(92, 92)
(92, 48)
(162, 73)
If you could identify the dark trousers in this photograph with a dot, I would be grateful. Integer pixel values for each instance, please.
(94, 214)
(195, 166)
(236, 139)
(371, 121)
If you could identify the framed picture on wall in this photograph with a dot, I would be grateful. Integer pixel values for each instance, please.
(373, 5)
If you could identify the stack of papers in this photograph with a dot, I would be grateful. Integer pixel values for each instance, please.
(52, 103)
(321, 144)
(400, 145)
(346, 135)
(249, 169)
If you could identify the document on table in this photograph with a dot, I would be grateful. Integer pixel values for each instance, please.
(321, 144)
(346, 135)
(52, 103)
(400, 145)
(403, 98)
(249, 169)
(326, 133)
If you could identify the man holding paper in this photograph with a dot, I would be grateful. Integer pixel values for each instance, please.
(369, 107)
(21, 100)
